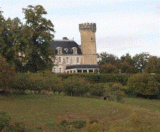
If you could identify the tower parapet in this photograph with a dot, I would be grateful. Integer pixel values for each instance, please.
(88, 26)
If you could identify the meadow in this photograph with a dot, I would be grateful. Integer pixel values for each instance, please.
(53, 113)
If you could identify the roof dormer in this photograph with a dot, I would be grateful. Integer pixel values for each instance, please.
(74, 50)
(59, 50)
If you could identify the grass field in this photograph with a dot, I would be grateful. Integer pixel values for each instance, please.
(46, 112)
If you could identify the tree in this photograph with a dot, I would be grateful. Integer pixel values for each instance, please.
(38, 33)
(108, 63)
(108, 68)
(144, 84)
(1, 28)
(153, 65)
(7, 74)
(126, 67)
(127, 58)
(13, 44)
(141, 61)
(108, 58)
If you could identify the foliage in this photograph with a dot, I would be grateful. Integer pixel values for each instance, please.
(144, 84)
(7, 73)
(114, 91)
(140, 61)
(76, 86)
(38, 35)
(77, 124)
(97, 90)
(27, 45)
(21, 82)
(100, 78)
(153, 65)
(108, 58)
(93, 127)
(126, 67)
(5, 125)
(4, 120)
(127, 58)
(108, 68)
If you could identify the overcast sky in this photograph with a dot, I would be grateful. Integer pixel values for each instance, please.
(123, 26)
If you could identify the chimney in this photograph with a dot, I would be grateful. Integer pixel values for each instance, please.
(65, 38)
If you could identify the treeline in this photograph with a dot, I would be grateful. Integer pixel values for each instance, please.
(143, 62)
(112, 86)
(27, 44)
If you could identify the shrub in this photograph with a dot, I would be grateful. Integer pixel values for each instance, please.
(143, 84)
(57, 84)
(77, 124)
(22, 82)
(114, 91)
(93, 127)
(4, 120)
(76, 86)
(7, 73)
(97, 90)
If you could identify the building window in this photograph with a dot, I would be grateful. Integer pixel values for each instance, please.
(59, 59)
(54, 69)
(59, 50)
(60, 70)
(77, 59)
(74, 50)
(67, 59)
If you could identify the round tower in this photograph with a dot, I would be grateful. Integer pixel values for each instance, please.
(88, 42)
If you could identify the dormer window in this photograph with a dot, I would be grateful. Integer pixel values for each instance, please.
(66, 50)
(74, 50)
(59, 50)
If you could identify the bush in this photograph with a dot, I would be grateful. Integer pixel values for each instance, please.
(143, 84)
(114, 91)
(93, 127)
(7, 73)
(76, 86)
(97, 90)
(4, 120)
(21, 83)
(77, 124)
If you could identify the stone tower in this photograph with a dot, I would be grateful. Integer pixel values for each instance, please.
(88, 42)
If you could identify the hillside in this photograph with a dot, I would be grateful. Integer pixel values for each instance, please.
(47, 112)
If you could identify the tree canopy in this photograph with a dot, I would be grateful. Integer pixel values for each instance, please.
(27, 45)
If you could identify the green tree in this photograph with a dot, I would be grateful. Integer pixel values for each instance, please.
(1, 29)
(108, 58)
(38, 33)
(126, 67)
(127, 58)
(144, 84)
(108, 68)
(7, 74)
(153, 65)
(13, 45)
(140, 61)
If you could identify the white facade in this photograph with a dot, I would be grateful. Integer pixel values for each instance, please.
(61, 61)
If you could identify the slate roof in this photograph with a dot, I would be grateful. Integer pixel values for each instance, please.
(66, 45)
(94, 66)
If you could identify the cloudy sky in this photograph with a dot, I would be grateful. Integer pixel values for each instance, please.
(123, 26)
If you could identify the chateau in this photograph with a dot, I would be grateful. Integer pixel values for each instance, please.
(73, 58)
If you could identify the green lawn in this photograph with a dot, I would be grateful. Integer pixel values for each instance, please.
(47, 111)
